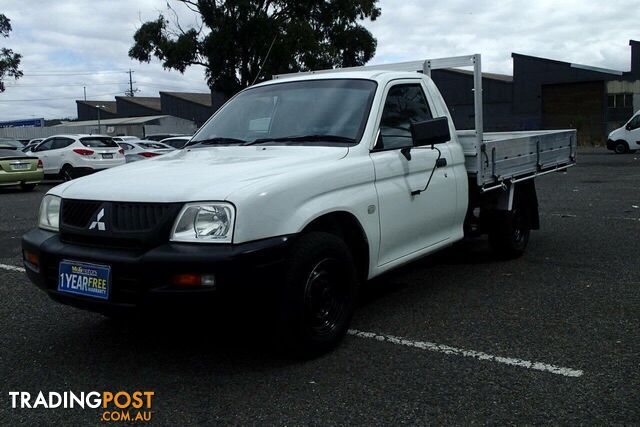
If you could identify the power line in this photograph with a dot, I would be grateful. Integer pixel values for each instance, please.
(83, 73)
(68, 85)
(56, 98)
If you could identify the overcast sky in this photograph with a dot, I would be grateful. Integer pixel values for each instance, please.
(92, 37)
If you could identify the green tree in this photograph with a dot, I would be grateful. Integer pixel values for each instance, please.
(9, 61)
(240, 42)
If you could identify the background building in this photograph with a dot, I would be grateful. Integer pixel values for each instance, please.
(548, 94)
(88, 110)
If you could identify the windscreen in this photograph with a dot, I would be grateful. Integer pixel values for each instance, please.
(337, 107)
(10, 143)
(176, 143)
(98, 142)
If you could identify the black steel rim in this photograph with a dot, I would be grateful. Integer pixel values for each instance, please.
(326, 297)
(518, 232)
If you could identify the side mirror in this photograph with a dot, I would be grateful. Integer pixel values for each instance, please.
(628, 126)
(430, 132)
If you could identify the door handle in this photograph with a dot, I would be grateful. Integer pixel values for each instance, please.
(441, 162)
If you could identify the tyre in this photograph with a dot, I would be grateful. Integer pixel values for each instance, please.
(27, 187)
(67, 173)
(509, 231)
(621, 147)
(318, 294)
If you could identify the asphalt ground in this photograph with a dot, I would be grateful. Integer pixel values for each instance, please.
(553, 337)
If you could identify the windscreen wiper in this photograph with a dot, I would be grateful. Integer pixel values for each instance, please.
(304, 138)
(216, 141)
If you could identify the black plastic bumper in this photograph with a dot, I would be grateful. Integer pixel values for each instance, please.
(144, 277)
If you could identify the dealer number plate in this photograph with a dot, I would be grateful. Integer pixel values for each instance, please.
(80, 278)
(20, 166)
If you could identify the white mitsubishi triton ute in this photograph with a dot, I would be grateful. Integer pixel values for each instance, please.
(314, 183)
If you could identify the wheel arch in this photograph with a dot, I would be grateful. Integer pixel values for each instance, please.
(346, 226)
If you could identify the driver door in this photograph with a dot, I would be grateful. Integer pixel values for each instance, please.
(410, 223)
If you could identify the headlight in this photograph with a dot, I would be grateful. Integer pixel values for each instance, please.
(204, 223)
(49, 216)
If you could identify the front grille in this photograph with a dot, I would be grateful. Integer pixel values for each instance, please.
(122, 225)
(78, 213)
(137, 216)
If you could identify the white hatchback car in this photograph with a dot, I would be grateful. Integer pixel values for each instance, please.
(123, 138)
(71, 156)
(143, 149)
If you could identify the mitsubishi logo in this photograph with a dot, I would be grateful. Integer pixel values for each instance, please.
(98, 222)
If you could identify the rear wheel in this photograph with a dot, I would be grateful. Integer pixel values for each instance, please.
(318, 295)
(621, 147)
(509, 231)
(67, 173)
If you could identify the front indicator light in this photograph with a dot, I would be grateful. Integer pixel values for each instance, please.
(204, 280)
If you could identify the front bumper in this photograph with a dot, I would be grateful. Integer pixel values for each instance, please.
(142, 278)
(610, 144)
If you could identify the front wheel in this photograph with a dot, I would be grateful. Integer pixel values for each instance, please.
(318, 296)
(621, 147)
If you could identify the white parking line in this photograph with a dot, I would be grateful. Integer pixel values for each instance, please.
(440, 348)
(11, 268)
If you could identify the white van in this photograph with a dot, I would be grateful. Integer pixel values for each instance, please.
(626, 138)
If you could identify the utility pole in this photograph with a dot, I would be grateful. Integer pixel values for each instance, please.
(131, 91)
(84, 88)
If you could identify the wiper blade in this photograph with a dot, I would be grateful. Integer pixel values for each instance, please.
(217, 140)
(304, 138)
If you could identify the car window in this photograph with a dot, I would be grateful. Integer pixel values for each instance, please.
(126, 146)
(61, 143)
(405, 104)
(634, 123)
(98, 142)
(46, 144)
(154, 145)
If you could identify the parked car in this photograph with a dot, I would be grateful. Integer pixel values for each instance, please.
(177, 141)
(20, 169)
(160, 136)
(122, 138)
(30, 145)
(10, 144)
(626, 138)
(142, 149)
(297, 191)
(71, 156)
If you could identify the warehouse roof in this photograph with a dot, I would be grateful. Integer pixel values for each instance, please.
(150, 102)
(492, 76)
(108, 106)
(115, 122)
(568, 64)
(202, 98)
